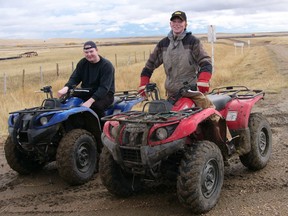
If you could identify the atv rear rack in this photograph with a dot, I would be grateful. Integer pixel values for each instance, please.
(146, 117)
(127, 95)
(240, 92)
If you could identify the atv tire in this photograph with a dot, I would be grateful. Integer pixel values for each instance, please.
(114, 178)
(18, 161)
(201, 175)
(261, 143)
(77, 157)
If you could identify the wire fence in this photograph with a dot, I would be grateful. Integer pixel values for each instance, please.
(46, 75)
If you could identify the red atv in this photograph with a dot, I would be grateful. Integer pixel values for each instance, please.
(174, 139)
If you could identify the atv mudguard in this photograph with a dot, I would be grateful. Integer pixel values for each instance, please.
(237, 116)
(57, 116)
(63, 115)
(189, 125)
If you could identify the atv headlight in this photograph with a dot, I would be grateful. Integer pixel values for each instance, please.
(161, 133)
(14, 119)
(44, 120)
(113, 128)
(114, 131)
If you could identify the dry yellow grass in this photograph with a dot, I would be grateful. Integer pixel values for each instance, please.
(231, 68)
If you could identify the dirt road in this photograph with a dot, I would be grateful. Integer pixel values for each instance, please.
(244, 192)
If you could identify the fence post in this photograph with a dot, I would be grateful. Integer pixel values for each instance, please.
(5, 86)
(23, 75)
(116, 60)
(57, 69)
(128, 63)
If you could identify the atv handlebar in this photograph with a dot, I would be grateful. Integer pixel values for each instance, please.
(152, 90)
(47, 90)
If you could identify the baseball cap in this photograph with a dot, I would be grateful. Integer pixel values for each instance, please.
(179, 14)
(89, 45)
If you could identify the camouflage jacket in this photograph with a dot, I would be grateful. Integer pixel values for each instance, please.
(183, 59)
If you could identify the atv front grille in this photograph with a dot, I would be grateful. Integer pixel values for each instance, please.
(132, 139)
(24, 125)
(131, 155)
(23, 136)
(133, 134)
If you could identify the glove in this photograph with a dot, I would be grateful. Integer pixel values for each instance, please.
(144, 80)
(203, 82)
(62, 91)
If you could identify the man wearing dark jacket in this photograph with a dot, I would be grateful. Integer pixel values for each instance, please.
(96, 73)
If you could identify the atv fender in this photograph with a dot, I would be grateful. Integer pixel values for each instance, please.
(237, 116)
(63, 115)
(188, 126)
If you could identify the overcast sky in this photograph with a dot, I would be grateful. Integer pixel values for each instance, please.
(43, 19)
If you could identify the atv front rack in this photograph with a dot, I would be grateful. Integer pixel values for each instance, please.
(240, 92)
(146, 117)
(38, 110)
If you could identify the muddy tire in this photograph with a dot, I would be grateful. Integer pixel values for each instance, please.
(114, 178)
(261, 143)
(18, 161)
(201, 175)
(77, 157)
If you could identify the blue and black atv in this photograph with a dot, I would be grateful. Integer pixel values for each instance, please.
(61, 130)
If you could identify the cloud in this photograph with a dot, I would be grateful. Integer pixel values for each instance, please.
(95, 18)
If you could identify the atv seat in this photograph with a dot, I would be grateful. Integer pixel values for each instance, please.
(115, 101)
(219, 101)
(51, 103)
(159, 106)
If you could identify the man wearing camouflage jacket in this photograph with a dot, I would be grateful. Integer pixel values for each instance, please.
(183, 57)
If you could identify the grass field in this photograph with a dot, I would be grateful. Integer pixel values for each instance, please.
(231, 66)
